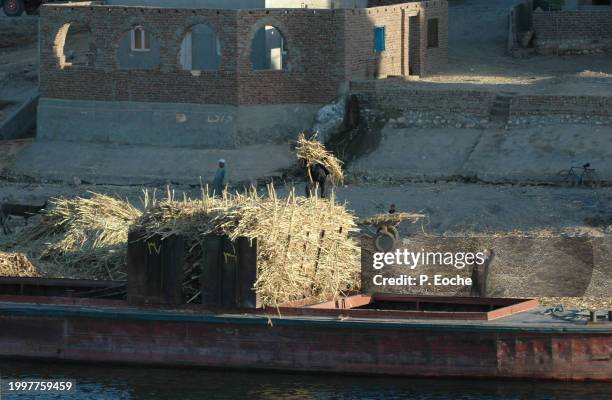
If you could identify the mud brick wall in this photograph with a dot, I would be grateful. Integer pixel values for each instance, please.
(314, 41)
(576, 105)
(325, 48)
(373, 95)
(104, 80)
(315, 60)
(432, 59)
(573, 30)
(362, 62)
(406, 50)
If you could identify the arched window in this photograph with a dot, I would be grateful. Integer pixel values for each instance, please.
(140, 39)
(75, 45)
(200, 49)
(268, 50)
(138, 49)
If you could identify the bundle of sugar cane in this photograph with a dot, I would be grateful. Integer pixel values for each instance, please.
(395, 218)
(304, 249)
(85, 237)
(312, 152)
(16, 265)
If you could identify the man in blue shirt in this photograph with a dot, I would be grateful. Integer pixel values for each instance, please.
(219, 179)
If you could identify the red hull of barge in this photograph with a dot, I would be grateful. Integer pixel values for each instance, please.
(103, 331)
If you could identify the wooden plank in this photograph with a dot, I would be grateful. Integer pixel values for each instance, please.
(136, 268)
(247, 273)
(155, 269)
(229, 273)
(172, 269)
(210, 277)
(230, 276)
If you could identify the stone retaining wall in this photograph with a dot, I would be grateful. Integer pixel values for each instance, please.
(572, 30)
(382, 96)
(547, 104)
(406, 98)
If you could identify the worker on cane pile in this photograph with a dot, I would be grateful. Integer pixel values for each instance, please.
(319, 163)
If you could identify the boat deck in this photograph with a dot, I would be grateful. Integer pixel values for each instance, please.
(538, 320)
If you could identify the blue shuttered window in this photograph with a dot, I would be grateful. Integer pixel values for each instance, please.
(379, 39)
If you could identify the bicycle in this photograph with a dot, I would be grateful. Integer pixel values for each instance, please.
(580, 176)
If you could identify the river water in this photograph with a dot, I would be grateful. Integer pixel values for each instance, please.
(94, 382)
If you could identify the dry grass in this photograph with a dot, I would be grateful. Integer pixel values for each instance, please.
(313, 152)
(82, 237)
(16, 265)
(304, 248)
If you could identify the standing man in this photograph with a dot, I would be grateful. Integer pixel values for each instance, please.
(219, 179)
(480, 275)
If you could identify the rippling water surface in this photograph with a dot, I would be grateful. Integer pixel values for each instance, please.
(142, 383)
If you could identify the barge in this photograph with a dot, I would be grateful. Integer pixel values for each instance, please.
(484, 338)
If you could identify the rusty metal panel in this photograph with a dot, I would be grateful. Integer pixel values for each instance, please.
(406, 306)
(155, 269)
(324, 345)
(229, 272)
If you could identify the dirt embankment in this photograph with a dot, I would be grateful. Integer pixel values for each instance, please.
(18, 54)
(9, 149)
(18, 32)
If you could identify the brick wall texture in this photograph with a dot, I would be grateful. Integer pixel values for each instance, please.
(544, 105)
(573, 30)
(325, 48)
(387, 97)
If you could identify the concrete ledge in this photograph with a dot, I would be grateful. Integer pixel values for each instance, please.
(21, 120)
(171, 124)
(147, 165)
(496, 156)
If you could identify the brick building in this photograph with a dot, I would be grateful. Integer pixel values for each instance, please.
(575, 26)
(213, 73)
(594, 3)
